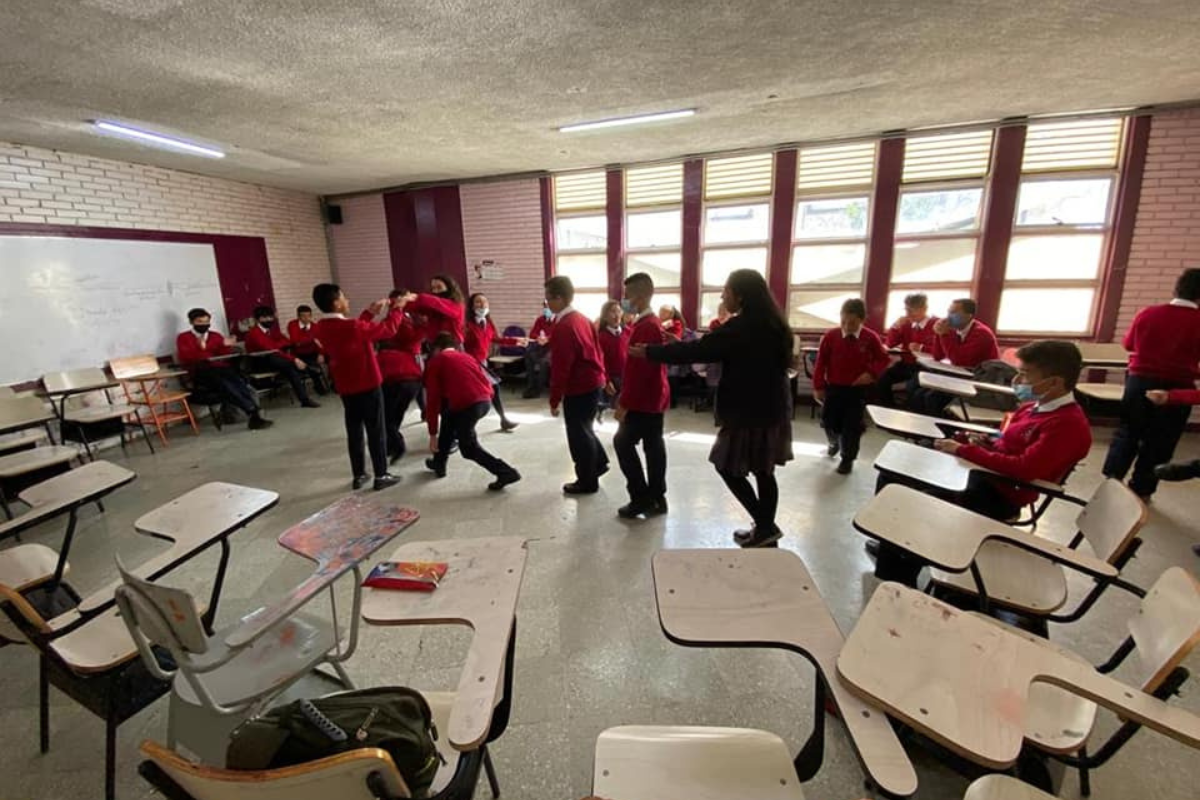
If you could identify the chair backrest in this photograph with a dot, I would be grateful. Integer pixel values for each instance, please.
(1166, 627)
(1111, 520)
(64, 381)
(133, 366)
(161, 615)
(343, 776)
(15, 410)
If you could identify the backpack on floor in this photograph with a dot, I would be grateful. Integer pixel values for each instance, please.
(997, 372)
(393, 718)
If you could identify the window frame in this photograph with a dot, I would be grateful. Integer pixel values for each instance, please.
(628, 252)
(559, 250)
(797, 243)
(744, 244)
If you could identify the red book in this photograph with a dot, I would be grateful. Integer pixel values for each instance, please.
(410, 576)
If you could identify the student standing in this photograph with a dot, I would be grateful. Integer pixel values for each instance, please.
(457, 382)
(644, 398)
(195, 350)
(306, 347)
(537, 353)
(753, 397)
(1164, 349)
(614, 344)
(443, 307)
(479, 334)
(400, 366)
(849, 360)
(576, 380)
(962, 340)
(265, 338)
(913, 333)
(350, 344)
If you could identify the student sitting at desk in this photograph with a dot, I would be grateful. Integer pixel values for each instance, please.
(962, 340)
(849, 360)
(458, 386)
(195, 348)
(304, 341)
(913, 333)
(265, 337)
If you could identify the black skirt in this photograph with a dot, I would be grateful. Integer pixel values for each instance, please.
(744, 451)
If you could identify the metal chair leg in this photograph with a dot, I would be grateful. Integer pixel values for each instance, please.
(145, 434)
(490, 771)
(43, 705)
(110, 756)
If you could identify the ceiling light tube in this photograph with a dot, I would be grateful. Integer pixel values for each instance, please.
(157, 139)
(619, 121)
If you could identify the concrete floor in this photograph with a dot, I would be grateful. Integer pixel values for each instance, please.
(590, 653)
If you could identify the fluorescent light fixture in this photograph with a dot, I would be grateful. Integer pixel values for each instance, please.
(619, 121)
(157, 139)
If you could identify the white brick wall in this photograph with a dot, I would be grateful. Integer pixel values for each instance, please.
(46, 186)
(503, 222)
(362, 260)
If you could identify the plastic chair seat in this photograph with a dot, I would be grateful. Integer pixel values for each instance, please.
(646, 762)
(1012, 577)
(99, 645)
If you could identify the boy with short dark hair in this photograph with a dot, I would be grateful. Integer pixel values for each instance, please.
(457, 385)
(305, 346)
(350, 344)
(645, 395)
(196, 349)
(911, 334)
(849, 360)
(576, 379)
(962, 340)
(266, 338)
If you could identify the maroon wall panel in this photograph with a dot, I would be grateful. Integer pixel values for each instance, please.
(885, 201)
(1129, 191)
(548, 233)
(998, 220)
(783, 216)
(425, 236)
(693, 218)
(614, 210)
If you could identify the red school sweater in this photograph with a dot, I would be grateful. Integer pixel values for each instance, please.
(260, 341)
(842, 359)
(458, 379)
(304, 341)
(399, 356)
(1184, 397)
(978, 346)
(193, 353)
(1036, 446)
(645, 387)
(906, 334)
(576, 362)
(1164, 343)
(479, 338)
(350, 347)
(443, 314)
(615, 347)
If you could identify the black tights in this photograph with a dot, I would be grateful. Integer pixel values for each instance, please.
(761, 506)
(497, 404)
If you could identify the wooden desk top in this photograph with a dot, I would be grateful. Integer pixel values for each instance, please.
(1101, 391)
(766, 598)
(480, 590)
(17, 413)
(928, 362)
(160, 375)
(933, 467)
(26, 461)
(960, 387)
(905, 423)
(337, 538)
(21, 441)
(64, 383)
(77, 487)
(950, 537)
(965, 682)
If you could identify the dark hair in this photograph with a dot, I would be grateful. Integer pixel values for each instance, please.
(324, 294)
(1055, 358)
(560, 286)
(916, 300)
(757, 303)
(469, 312)
(968, 305)
(196, 313)
(263, 311)
(641, 280)
(451, 286)
(397, 292)
(1188, 285)
(303, 310)
(856, 307)
(444, 341)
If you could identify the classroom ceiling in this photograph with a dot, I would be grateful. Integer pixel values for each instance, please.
(351, 95)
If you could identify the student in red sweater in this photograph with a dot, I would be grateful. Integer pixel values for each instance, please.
(194, 350)
(614, 344)
(266, 338)
(851, 357)
(456, 382)
(1164, 351)
(304, 343)
(400, 366)
(962, 340)
(913, 333)
(480, 333)
(672, 322)
(721, 318)
(1184, 470)
(442, 307)
(537, 354)
(576, 380)
(644, 397)
(350, 345)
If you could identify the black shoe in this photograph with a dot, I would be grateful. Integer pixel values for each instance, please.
(764, 538)
(845, 467)
(1180, 471)
(575, 487)
(833, 449)
(437, 469)
(872, 548)
(310, 403)
(228, 415)
(740, 537)
(507, 425)
(657, 506)
(504, 480)
(603, 469)
(359, 482)
(385, 480)
(257, 423)
(634, 509)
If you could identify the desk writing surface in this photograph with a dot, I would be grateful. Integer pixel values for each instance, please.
(926, 465)
(480, 590)
(1112, 392)
(930, 363)
(959, 387)
(23, 412)
(905, 423)
(26, 461)
(767, 598)
(77, 486)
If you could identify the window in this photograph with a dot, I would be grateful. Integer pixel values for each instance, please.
(581, 236)
(1063, 217)
(939, 218)
(654, 228)
(737, 223)
(829, 238)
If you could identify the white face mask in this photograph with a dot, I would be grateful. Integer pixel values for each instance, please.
(481, 314)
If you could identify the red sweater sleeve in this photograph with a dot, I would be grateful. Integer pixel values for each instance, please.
(820, 370)
(1045, 455)
(878, 356)
(438, 306)
(895, 336)
(564, 349)
(433, 393)
(187, 348)
(378, 331)
(1188, 397)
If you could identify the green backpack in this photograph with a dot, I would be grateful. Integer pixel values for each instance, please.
(392, 718)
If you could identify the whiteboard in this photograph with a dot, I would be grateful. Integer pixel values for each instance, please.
(69, 303)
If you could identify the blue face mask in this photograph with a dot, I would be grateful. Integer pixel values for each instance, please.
(627, 307)
(1025, 394)
(547, 313)
(956, 320)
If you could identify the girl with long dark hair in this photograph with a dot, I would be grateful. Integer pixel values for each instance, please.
(479, 334)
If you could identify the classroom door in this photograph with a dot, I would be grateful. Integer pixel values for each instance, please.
(425, 236)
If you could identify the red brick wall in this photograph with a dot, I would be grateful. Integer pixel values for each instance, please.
(503, 222)
(1166, 237)
(362, 262)
(46, 186)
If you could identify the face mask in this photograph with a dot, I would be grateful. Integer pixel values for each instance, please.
(1025, 394)
(266, 323)
(481, 314)
(445, 294)
(627, 307)
(956, 320)
(547, 313)
(201, 329)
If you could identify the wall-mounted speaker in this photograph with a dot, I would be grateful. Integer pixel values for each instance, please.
(333, 215)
